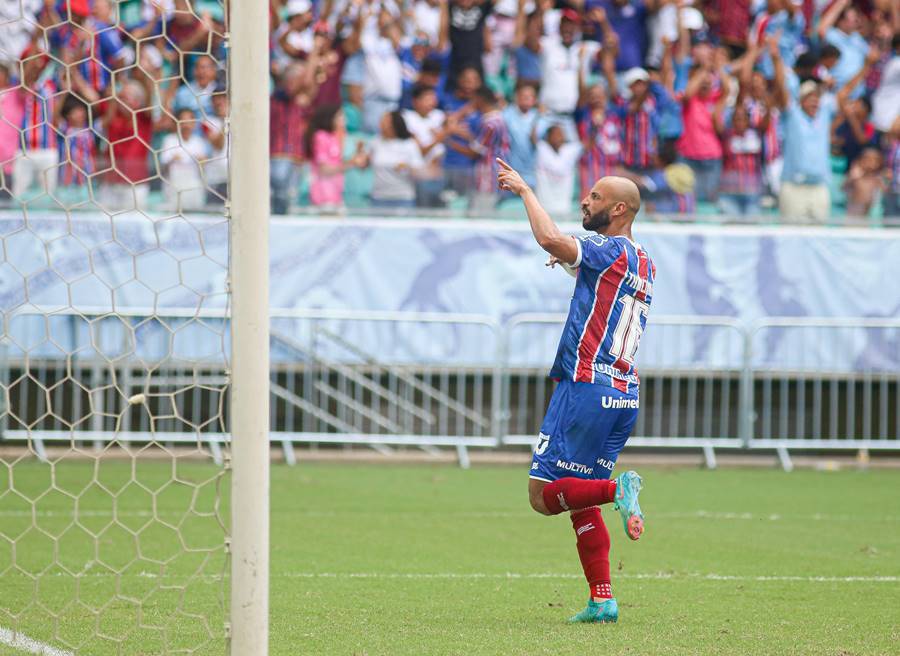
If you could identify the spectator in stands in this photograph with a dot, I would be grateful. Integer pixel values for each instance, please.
(77, 148)
(432, 74)
(839, 27)
(10, 120)
(38, 144)
(128, 125)
(396, 159)
(892, 194)
(333, 52)
(730, 19)
(197, 94)
(294, 38)
(865, 182)
(383, 85)
(467, 21)
(325, 145)
(886, 99)
(289, 111)
(668, 185)
(754, 94)
(87, 43)
(426, 124)
(425, 15)
(555, 170)
(562, 61)
(852, 131)
(490, 142)
(628, 18)
(600, 131)
(521, 118)
(783, 21)
(805, 193)
(463, 123)
(742, 181)
(700, 144)
(215, 170)
(182, 153)
(640, 115)
(415, 57)
(501, 26)
(526, 45)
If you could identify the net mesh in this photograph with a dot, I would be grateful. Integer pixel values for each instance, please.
(113, 357)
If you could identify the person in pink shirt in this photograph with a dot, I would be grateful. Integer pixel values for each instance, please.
(325, 152)
(11, 110)
(699, 145)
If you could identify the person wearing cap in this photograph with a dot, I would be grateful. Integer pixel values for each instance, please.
(807, 119)
(640, 113)
(293, 39)
(564, 61)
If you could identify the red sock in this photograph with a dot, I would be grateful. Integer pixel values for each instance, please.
(576, 493)
(593, 550)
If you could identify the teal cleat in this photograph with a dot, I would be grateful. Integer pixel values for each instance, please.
(628, 486)
(600, 613)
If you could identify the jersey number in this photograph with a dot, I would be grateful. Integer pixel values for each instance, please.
(628, 330)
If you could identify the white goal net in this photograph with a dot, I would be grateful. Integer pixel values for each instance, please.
(114, 347)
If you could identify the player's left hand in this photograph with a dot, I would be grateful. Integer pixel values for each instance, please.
(508, 179)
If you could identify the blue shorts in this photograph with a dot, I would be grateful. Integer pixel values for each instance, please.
(584, 430)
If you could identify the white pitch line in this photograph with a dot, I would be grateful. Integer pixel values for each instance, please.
(500, 514)
(21, 642)
(657, 576)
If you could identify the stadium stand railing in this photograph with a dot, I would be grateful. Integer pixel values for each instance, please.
(328, 388)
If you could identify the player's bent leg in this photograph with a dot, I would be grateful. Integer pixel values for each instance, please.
(570, 493)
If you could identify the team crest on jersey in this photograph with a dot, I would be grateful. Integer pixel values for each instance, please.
(543, 443)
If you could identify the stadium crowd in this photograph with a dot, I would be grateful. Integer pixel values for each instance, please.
(731, 106)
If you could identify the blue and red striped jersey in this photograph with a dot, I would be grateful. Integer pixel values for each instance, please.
(607, 314)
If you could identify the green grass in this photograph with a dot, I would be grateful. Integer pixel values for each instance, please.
(436, 560)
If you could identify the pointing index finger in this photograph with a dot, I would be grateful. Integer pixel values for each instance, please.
(504, 164)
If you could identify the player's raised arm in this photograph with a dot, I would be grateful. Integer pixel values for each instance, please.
(548, 236)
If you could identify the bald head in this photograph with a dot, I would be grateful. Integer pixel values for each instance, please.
(611, 205)
(622, 190)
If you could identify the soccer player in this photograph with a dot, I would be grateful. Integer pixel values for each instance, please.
(595, 405)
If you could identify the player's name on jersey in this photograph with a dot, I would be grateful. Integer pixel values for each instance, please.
(640, 285)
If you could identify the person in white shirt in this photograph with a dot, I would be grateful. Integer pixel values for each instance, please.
(562, 58)
(426, 17)
(215, 169)
(294, 38)
(181, 155)
(426, 124)
(556, 164)
(395, 158)
(383, 83)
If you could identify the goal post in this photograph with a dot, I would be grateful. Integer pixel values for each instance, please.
(249, 282)
(134, 334)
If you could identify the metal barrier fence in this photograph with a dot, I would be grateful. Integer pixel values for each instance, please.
(431, 379)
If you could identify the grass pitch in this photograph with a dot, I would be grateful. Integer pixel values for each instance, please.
(437, 560)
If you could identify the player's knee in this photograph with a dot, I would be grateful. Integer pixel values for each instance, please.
(536, 497)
